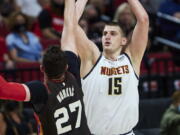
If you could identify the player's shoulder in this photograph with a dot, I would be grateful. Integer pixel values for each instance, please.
(35, 85)
(37, 89)
(70, 76)
(35, 82)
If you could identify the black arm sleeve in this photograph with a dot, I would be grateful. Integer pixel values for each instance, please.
(39, 94)
(44, 19)
(74, 65)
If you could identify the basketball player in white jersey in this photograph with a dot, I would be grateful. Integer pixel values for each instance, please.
(110, 79)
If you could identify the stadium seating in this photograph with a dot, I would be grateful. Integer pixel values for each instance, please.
(28, 71)
(159, 63)
(3, 48)
(47, 42)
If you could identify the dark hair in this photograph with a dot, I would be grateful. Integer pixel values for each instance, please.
(12, 19)
(176, 97)
(116, 24)
(56, 8)
(11, 106)
(54, 62)
(177, 1)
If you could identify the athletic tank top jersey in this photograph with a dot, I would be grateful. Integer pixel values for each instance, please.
(63, 113)
(111, 96)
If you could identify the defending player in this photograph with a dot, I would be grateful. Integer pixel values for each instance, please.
(110, 79)
(59, 101)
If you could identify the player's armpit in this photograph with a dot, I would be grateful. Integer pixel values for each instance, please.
(13, 91)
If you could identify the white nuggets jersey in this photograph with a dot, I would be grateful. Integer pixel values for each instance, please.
(111, 96)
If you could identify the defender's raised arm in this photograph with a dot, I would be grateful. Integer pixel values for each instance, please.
(68, 36)
(87, 50)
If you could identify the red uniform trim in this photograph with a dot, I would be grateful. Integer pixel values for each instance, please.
(11, 90)
(39, 125)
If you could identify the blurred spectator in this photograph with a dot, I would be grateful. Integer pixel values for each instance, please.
(96, 22)
(99, 4)
(30, 8)
(3, 123)
(169, 29)
(23, 45)
(105, 6)
(29, 118)
(7, 7)
(5, 61)
(93, 15)
(84, 24)
(4, 30)
(151, 5)
(14, 120)
(43, 3)
(125, 18)
(116, 3)
(170, 123)
(6, 128)
(50, 20)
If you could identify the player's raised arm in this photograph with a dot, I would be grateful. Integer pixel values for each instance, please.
(87, 50)
(68, 37)
(140, 34)
(80, 6)
(13, 91)
(30, 91)
(68, 43)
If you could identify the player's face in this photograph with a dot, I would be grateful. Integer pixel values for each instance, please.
(112, 39)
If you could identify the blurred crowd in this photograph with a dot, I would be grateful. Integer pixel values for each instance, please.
(17, 121)
(28, 27)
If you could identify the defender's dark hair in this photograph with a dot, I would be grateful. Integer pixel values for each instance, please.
(54, 62)
(117, 24)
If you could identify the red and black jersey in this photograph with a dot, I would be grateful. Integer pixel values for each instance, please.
(59, 106)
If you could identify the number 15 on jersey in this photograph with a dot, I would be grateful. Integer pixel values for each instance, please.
(115, 86)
